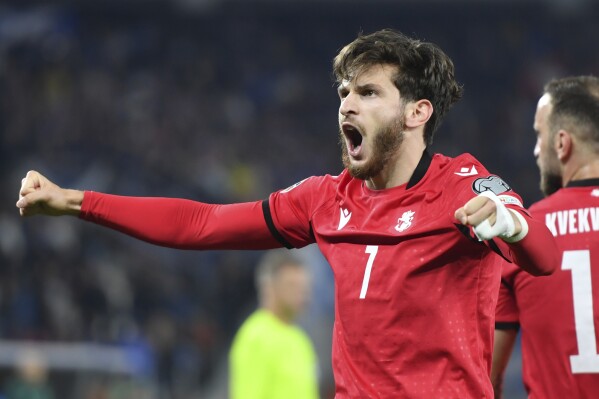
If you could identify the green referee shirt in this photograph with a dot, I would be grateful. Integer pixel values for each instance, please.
(270, 359)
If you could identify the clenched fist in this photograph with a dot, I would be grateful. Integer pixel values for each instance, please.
(38, 195)
(490, 218)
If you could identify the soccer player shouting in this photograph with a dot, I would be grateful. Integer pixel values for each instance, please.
(415, 240)
(559, 314)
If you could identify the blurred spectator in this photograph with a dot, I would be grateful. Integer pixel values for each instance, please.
(31, 379)
(271, 357)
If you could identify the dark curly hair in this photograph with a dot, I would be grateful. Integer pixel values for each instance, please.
(424, 71)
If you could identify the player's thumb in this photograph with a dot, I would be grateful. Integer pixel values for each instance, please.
(460, 214)
(33, 198)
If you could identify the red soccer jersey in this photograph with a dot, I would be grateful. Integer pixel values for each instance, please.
(559, 314)
(415, 296)
(415, 292)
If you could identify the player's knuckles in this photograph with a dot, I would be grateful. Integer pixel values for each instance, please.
(35, 197)
(23, 184)
(479, 216)
(28, 182)
(34, 178)
(26, 191)
(482, 215)
(488, 209)
(462, 216)
(490, 205)
(475, 204)
(475, 220)
(468, 204)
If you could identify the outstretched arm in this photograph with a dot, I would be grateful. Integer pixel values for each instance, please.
(502, 351)
(168, 222)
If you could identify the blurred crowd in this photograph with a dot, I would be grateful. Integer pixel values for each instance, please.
(226, 104)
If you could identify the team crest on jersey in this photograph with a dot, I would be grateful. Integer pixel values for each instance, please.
(405, 221)
(490, 183)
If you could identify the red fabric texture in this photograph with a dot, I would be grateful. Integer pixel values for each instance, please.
(180, 223)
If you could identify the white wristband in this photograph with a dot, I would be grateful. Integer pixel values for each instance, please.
(504, 226)
(522, 232)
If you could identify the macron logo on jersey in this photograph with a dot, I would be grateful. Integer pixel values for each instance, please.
(467, 172)
(344, 216)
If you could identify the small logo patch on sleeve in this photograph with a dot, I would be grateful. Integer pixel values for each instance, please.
(509, 200)
(293, 186)
(490, 183)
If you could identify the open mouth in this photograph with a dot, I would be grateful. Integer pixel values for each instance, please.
(353, 138)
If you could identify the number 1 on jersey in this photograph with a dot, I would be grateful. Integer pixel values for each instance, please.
(372, 250)
(587, 360)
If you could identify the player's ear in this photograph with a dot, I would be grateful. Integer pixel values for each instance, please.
(563, 145)
(417, 113)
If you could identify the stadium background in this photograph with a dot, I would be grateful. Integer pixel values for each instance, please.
(217, 101)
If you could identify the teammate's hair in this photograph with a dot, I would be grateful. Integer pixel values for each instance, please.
(575, 103)
(424, 71)
(271, 264)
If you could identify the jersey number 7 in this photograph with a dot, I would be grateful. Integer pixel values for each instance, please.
(372, 251)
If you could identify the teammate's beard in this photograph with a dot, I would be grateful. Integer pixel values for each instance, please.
(385, 146)
(551, 178)
(550, 182)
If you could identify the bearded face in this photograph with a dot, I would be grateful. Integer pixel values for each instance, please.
(371, 121)
(548, 162)
(386, 141)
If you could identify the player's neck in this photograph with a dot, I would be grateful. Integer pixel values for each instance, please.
(581, 171)
(400, 168)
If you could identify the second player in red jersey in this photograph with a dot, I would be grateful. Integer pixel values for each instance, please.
(414, 240)
(559, 314)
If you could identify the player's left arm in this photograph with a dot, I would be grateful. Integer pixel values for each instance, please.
(525, 240)
(507, 325)
(503, 346)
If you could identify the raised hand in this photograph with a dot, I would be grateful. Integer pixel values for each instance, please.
(490, 218)
(38, 195)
